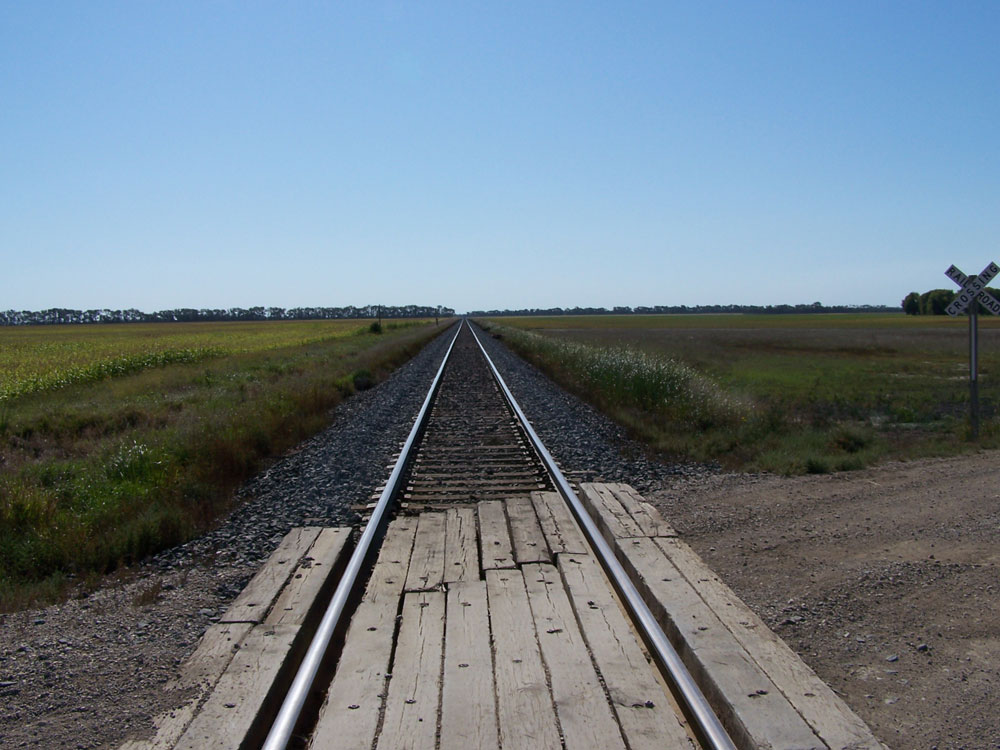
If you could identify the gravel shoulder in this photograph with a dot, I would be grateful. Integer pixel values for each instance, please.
(885, 580)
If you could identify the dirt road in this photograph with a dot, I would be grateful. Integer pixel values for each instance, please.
(884, 580)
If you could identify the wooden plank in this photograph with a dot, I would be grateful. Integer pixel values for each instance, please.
(461, 550)
(526, 717)
(230, 715)
(389, 574)
(825, 712)
(752, 709)
(648, 518)
(301, 597)
(609, 515)
(411, 707)
(560, 529)
(644, 711)
(581, 704)
(497, 551)
(350, 713)
(215, 650)
(525, 532)
(468, 703)
(198, 675)
(427, 561)
(255, 600)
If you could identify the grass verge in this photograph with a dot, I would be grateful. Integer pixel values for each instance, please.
(95, 475)
(775, 396)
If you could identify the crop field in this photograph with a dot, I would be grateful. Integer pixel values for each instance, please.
(38, 358)
(117, 441)
(786, 393)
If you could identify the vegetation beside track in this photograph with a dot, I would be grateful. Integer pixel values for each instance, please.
(790, 394)
(105, 468)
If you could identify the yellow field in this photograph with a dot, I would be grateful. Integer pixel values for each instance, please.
(37, 358)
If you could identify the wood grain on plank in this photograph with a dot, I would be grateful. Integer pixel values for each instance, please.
(526, 533)
(644, 711)
(560, 529)
(825, 712)
(389, 574)
(468, 705)
(526, 716)
(581, 704)
(648, 518)
(229, 716)
(609, 515)
(426, 570)
(461, 550)
(255, 600)
(411, 706)
(301, 596)
(349, 715)
(497, 550)
(750, 706)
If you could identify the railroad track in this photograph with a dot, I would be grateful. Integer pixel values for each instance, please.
(475, 443)
(473, 447)
(488, 603)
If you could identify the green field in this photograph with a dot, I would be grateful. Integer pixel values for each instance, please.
(119, 440)
(786, 393)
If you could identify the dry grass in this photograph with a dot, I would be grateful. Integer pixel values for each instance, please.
(94, 475)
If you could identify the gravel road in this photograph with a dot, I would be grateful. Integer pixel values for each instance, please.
(89, 672)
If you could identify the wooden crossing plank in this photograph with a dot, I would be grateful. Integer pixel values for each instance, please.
(750, 706)
(825, 712)
(349, 716)
(198, 675)
(526, 717)
(497, 551)
(426, 570)
(228, 718)
(525, 532)
(648, 518)
(584, 713)
(609, 515)
(461, 551)
(561, 531)
(644, 711)
(468, 704)
(301, 598)
(411, 707)
(255, 600)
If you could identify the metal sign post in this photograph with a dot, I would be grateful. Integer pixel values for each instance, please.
(973, 290)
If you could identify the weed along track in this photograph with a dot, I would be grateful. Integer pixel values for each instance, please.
(489, 603)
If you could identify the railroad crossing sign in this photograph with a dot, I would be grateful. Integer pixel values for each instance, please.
(973, 288)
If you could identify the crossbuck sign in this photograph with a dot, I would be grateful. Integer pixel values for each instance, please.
(973, 288)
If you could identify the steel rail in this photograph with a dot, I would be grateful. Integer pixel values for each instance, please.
(291, 707)
(707, 724)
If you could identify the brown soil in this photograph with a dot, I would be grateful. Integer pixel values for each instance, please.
(883, 580)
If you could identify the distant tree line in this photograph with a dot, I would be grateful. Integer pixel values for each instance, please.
(61, 316)
(936, 301)
(815, 307)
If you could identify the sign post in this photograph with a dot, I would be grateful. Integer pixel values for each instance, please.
(973, 290)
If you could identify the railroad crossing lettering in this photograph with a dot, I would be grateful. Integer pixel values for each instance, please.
(973, 288)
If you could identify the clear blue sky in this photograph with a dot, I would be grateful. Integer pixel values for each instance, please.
(481, 155)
